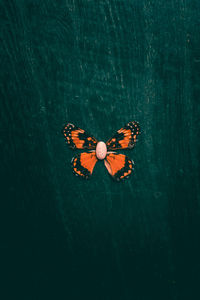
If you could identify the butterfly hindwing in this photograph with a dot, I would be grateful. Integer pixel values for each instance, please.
(83, 164)
(78, 138)
(125, 137)
(119, 166)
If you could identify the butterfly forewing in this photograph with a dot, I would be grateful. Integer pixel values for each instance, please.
(83, 164)
(124, 138)
(78, 138)
(119, 166)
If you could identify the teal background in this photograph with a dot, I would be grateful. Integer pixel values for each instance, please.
(99, 64)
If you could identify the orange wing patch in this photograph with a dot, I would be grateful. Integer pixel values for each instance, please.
(83, 164)
(119, 166)
(125, 137)
(78, 138)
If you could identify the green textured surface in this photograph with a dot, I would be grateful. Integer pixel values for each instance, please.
(100, 64)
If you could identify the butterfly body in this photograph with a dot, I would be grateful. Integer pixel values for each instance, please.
(119, 166)
(101, 150)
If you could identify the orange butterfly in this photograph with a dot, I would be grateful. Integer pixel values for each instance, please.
(119, 166)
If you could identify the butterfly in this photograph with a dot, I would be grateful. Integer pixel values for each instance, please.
(119, 166)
